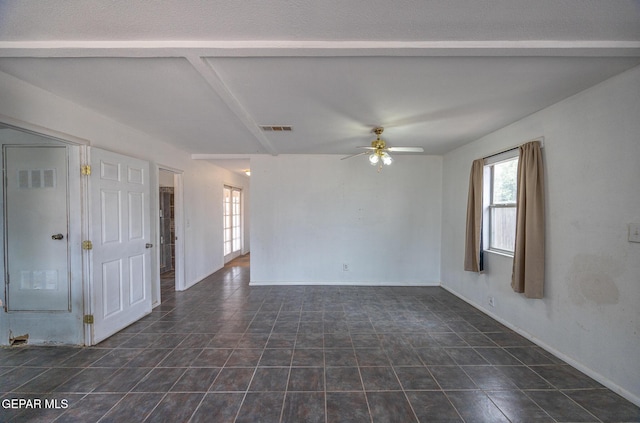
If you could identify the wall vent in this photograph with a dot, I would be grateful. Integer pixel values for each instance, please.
(276, 128)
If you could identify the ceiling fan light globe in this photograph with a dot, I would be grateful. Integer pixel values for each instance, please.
(374, 159)
(386, 158)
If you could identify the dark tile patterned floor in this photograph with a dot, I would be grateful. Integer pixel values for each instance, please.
(226, 352)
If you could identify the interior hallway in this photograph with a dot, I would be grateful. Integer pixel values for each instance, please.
(226, 352)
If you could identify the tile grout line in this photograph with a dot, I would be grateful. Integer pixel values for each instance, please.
(364, 389)
(255, 370)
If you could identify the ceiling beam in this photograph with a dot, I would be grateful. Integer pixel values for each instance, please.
(594, 48)
(208, 73)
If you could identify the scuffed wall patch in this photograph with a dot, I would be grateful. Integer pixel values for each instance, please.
(592, 278)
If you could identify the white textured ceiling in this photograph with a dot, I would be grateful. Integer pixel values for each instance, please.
(203, 75)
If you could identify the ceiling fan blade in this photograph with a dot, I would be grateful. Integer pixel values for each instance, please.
(355, 155)
(367, 147)
(406, 149)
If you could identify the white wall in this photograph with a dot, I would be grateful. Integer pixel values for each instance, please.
(590, 313)
(203, 182)
(311, 214)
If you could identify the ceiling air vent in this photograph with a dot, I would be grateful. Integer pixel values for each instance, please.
(276, 128)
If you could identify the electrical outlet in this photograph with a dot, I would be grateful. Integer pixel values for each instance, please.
(492, 302)
(634, 232)
(345, 267)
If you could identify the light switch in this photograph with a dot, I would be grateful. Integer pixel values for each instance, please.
(634, 232)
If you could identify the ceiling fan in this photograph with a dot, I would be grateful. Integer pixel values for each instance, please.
(380, 152)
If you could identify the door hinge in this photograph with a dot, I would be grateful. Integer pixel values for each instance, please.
(88, 319)
(85, 170)
(87, 245)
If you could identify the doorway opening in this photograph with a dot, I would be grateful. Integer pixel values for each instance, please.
(167, 239)
(170, 236)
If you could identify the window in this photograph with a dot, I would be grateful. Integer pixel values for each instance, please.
(232, 222)
(500, 196)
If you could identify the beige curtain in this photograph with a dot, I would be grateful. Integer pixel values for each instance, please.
(473, 241)
(528, 259)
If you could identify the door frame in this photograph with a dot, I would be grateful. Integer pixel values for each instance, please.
(178, 208)
(78, 217)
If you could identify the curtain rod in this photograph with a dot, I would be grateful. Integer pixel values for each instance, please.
(539, 139)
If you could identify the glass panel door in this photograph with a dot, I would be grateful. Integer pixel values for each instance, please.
(232, 222)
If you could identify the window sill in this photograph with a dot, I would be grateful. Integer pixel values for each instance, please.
(500, 253)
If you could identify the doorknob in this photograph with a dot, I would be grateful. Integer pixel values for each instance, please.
(57, 237)
(149, 246)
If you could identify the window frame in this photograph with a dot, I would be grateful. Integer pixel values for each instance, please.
(488, 201)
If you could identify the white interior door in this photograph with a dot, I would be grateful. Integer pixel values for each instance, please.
(37, 229)
(120, 233)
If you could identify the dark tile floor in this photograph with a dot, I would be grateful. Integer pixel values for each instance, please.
(226, 352)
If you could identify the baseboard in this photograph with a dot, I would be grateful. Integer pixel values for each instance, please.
(581, 367)
(341, 283)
